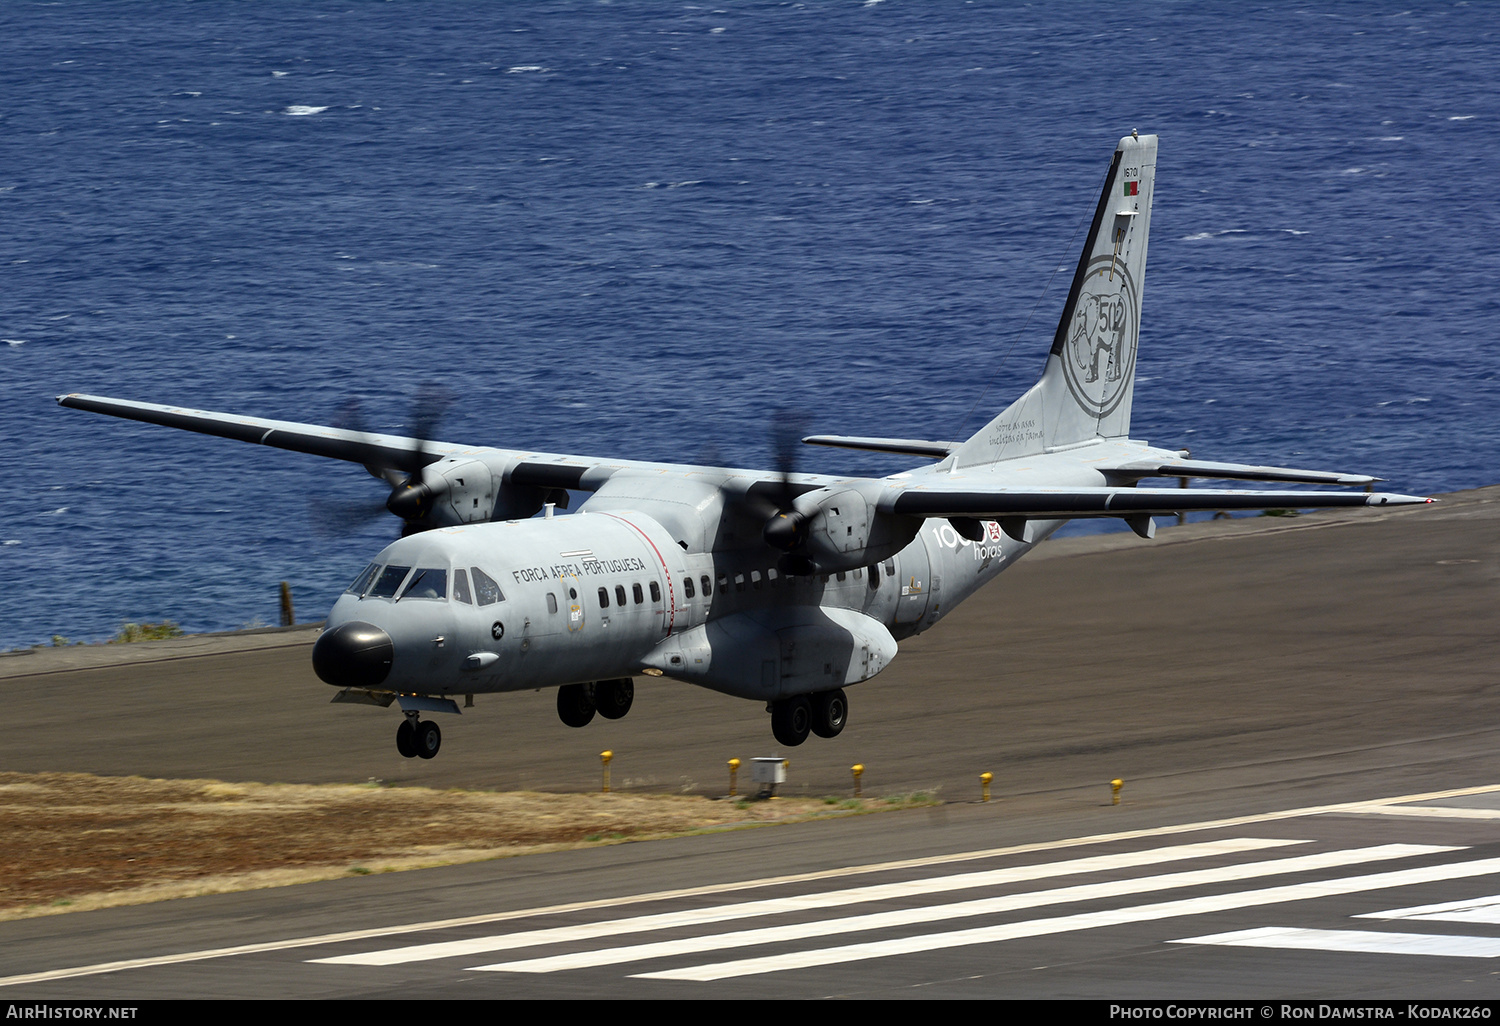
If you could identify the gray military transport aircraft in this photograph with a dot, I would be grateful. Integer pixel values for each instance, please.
(779, 587)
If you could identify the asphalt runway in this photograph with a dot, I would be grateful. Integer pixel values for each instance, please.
(1227, 671)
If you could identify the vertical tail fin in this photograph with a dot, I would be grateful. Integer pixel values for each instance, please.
(1087, 388)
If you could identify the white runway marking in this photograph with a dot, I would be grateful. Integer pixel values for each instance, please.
(622, 900)
(1426, 811)
(1082, 921)
(1472, 910)
(802, 902)
(977, 907)
(1365, 941)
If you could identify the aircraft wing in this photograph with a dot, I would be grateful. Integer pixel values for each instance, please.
(970, 499)
(1233, 471)
(361, 447)
(526, 467)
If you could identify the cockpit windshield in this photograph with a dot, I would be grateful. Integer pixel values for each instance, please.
(427, 583)
(389, 580)
(363, 580)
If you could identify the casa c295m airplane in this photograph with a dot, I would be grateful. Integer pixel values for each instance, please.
(773, 586)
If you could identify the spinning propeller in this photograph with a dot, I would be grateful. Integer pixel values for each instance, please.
(787, 527)
(412, 494)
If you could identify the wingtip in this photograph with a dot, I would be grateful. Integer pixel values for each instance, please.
(1390, 499)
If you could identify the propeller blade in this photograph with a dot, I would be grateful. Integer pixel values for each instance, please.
(411, 497)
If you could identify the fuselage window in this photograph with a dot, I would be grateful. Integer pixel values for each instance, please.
(739, 582)
(687, 587)
(841, 575)
(573, 594)
(890, 568)
(390, 579)
(858, 573)
(619, 594)
(771, 575)
(485, 587)
(427, 583)
(755, 579)
(874, 576)
(363, 580)
(655, 592)
(640, 596)
(723, 582)
(603, 598)
(707, 585)
(461, 587)
(551, 602)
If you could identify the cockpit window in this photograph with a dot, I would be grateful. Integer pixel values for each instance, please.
(390, 579)
(427, 583)
(461, 587)
(363, 580)
(485, 588)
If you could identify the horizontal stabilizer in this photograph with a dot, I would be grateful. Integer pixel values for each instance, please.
(901, 446)
(1066, 503)
(1235, 472)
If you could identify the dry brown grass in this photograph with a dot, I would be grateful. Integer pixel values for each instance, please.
(74, 841)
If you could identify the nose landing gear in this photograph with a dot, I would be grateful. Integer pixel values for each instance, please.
(418, 737)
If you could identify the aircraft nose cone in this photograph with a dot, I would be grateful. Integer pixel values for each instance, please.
(353, 655)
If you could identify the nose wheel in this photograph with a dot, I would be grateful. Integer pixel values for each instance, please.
(418, 738)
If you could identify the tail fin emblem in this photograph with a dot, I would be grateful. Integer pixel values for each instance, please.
(1101, 338)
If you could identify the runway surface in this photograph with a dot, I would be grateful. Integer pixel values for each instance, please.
(1248, 681)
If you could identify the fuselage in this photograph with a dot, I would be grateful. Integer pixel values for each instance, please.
(610, 593)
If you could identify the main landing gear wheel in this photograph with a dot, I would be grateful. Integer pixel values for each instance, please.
(428, 738)
(575, 704)
(791, 718)
(830, 711)
(406, 740)
(613, 697)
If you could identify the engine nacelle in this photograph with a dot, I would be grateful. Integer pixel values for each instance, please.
(469, 490)
(465, 490)
(836, 529)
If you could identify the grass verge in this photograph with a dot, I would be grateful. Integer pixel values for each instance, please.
(77, 841)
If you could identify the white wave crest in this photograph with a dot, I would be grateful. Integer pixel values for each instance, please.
(298, 110)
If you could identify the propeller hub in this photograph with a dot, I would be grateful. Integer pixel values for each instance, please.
(786, 530)
(410, 501)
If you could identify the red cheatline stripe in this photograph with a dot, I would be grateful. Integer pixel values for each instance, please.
(666, 571)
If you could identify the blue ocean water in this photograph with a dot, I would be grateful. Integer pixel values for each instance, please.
(638, 229)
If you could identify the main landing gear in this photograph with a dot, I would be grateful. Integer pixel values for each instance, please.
(824, 713)
(418, 737)
(577, 703)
